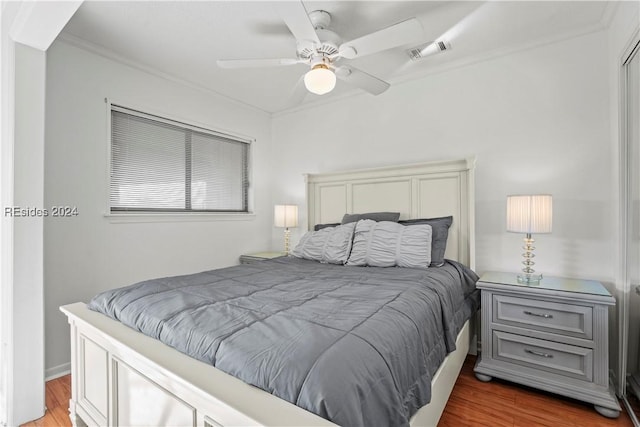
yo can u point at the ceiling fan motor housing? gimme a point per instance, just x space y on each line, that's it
329 40
320 19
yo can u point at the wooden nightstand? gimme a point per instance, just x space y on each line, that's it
552 336
259 256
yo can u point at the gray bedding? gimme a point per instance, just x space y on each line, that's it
355 345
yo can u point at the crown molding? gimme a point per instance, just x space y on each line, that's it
80 43
498 53
601 25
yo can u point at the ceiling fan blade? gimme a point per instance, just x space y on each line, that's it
297 19
256 63
396 35
362 80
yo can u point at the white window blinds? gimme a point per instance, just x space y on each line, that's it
159 165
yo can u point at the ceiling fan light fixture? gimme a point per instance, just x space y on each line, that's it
320 79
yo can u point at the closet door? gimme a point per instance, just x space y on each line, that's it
632 294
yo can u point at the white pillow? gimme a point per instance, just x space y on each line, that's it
389 244
329 245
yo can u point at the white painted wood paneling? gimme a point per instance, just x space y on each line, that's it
332 212
388 195
440 195
94 386
140 402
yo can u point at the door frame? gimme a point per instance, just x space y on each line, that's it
632 48
28 29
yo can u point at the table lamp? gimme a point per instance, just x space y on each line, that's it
285 216
529 214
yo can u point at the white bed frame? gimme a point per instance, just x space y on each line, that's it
121 377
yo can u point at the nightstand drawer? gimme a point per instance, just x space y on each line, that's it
564 319
555 358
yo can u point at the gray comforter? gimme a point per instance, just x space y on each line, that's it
355 345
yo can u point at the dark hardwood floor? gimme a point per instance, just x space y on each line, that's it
472 403
500 403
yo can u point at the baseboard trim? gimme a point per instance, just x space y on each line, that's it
57 371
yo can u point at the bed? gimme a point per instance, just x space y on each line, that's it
123 377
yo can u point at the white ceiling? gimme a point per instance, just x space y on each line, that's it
185 38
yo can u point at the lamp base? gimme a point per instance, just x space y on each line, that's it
529 279
528 275
287 236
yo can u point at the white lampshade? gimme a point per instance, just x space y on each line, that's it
320 80
529 214
285 216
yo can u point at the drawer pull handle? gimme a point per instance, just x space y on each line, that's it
538 353
546 316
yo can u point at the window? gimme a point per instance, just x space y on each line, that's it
160 165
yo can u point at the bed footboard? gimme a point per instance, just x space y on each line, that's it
123 378
120 377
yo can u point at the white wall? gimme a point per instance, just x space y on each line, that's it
538 122
88 253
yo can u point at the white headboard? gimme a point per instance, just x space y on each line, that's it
423 190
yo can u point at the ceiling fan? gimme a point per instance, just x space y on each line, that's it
324 51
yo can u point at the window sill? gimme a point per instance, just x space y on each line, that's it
119 218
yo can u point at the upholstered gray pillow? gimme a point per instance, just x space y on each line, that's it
321 226
389 244
329 245
375 216
440 229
